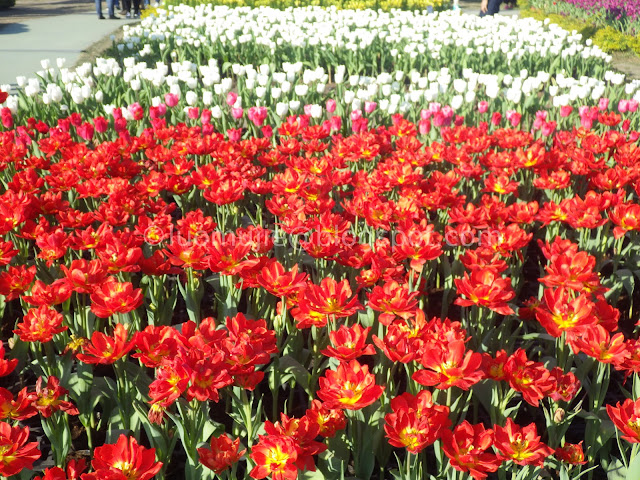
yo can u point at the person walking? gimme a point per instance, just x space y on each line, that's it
110 8
489 7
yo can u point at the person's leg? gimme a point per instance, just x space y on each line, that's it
111 6
493 7
99 8
136 7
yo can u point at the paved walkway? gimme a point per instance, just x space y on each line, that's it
25 41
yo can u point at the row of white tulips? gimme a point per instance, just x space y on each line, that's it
182 51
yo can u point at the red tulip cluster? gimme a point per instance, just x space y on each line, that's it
278 303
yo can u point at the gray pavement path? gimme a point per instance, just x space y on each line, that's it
23 44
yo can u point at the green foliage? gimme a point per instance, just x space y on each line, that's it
586 29
7 3
611 40
608 38
634 44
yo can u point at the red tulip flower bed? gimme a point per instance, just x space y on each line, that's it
179 304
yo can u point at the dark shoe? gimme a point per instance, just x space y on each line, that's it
101 17
113 17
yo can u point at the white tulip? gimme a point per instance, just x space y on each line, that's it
281 109
459 85
294 105
349 96
316 111
76 95
470 97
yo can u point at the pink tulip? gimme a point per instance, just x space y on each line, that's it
136 111
623 106
120 124
85 131
101 124
231 98
76 119
360 125
234 134
369 107
205 117
541 119
566 110
483 107
548 128
424 126
331 105
257 115
336 122
171 99
193 113
267 131
603 104
237 113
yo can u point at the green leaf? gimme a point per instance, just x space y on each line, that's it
626 277
633 472
289 365
307 475
616 470
79 386
366 318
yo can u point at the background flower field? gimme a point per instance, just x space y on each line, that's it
322 243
